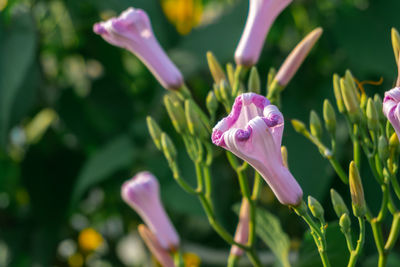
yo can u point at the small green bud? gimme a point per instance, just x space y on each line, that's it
215 68
176 113
284 153
315 125
299 126
217 92
254 83
363 100
195 124
225 91
338 204
372 116
271 76
356 191
168 147
396 44
345 223
337 92
348 76
379 108
301 209
383 148
394 142
350 101
316 209
155 131
231 73
329 117
211 103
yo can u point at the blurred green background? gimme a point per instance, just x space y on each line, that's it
72 122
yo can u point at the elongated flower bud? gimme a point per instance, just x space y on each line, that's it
254 81
315 125
338 93
345 223
253 132
176 113
329 117
154 246
299 126
262 13
372 116
132 30
168 147
296 57
316 208
215 68
383 148
142 193
356 191
155 131
350 100
396 44
195 125
211 103
379 108
242 230
338 204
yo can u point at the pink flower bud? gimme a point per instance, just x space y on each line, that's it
391 108
253 132
132 30
155 248
242 230
262 13
142 193
296 57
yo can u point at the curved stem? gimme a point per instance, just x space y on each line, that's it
360 244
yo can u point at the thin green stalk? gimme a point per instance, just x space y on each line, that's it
394 233
207 180
378 236
251 254
339 170
257 186
384 205
356 147
360 244
232 260
199 177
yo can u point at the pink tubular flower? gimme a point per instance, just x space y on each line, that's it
296 57
391 108
142 193
242 230
132 30
155 248
253 132
262 13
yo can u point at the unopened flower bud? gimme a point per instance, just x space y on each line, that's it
329 117
230 70
242 229
284 153
215 68
254 84
296 57
396 44
356 191
176 113
155 131
211 103
383 148
154 246
372 116
271 76
225 91
315 125
338 93
350 101
132 31
168 147
195 125
394 142
345 223
379 108
316 209
338 204
299 126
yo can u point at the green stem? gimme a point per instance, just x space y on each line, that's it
207 179
360 244
257 186
199 177
378 237
339 170
356 147
251 254
384 205
233 260
394 233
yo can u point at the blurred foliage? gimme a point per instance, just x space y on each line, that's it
73 108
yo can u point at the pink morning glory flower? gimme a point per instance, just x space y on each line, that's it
132 30
262 13
253 132
391 108
142 193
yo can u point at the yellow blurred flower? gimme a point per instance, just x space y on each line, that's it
89 239
191 260
3 4
76 260
183 14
